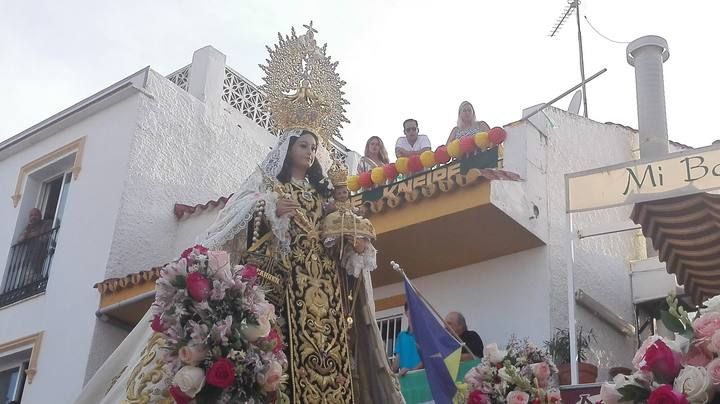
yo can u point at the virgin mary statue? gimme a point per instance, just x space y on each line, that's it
334 350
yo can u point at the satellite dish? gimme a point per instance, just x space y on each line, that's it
574 107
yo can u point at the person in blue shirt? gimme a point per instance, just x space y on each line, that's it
406 350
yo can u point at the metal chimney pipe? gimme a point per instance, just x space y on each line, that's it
647 55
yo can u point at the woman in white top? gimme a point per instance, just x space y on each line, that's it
375 155
467 123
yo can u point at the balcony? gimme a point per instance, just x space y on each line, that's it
28 267
452 215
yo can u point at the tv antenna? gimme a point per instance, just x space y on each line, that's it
570 7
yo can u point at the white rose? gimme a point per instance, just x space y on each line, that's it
609 394
253 332
694 383
494 354
712 304
190 380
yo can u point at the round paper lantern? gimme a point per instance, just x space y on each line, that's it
353 183
366 180
467 144
390 171
414 164
441 155
482 141
377 175
427 158
402 165
497 135
454 149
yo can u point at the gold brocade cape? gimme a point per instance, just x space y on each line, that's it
328 362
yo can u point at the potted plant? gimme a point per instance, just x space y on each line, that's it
559 348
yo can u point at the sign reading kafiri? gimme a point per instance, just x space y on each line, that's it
676 174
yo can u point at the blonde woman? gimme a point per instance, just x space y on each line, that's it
375 155
467 123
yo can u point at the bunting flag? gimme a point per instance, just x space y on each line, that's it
439 350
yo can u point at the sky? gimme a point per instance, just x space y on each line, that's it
400 58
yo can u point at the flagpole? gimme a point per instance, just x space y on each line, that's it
398 269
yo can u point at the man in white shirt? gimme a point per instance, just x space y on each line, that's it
412 143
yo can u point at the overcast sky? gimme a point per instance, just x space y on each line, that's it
400 58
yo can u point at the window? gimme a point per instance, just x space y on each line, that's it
390 327
52 198
12 383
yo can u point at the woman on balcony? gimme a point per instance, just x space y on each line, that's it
467 123
375 155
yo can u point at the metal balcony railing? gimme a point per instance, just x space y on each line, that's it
28 266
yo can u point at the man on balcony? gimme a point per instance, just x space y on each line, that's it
412 143
473 343
36 225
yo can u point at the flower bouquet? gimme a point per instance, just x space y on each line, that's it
521 374
686 370
222 340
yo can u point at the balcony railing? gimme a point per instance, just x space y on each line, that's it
28 267
389 328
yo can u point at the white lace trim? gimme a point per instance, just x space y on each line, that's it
355 264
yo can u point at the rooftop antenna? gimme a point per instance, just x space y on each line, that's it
570 7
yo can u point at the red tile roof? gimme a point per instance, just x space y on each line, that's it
182 210
137 278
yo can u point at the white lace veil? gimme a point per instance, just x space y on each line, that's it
238 211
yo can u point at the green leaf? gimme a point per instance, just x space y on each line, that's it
671 322
634 393
179 282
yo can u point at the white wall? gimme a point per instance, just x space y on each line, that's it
498 298
66 310
601 270
183 151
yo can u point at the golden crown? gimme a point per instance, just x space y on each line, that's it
302 88
338 174
348 224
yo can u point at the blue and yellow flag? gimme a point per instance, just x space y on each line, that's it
439 350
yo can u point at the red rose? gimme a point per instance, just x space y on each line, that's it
157 324
249 272
665 394
221 374
275 340
478 397
661 360
198 286
200 249
178 395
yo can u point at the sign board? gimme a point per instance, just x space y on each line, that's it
677 174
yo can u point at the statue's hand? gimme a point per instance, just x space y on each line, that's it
359 244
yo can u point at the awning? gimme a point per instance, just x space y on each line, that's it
686 232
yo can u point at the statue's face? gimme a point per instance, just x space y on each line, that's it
341 194
302 152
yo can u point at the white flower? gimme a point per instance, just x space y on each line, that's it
494 354
190 380
712 304
193 354
609 394
219 267
504 375
694 383
253 332
271 379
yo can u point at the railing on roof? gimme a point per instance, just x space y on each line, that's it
248 98
28 267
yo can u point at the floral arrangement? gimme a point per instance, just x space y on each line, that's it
521 374
686 370
223 343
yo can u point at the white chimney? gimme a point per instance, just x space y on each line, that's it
647 55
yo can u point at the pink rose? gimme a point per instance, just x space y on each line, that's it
518 397
713 369
665 394
697 356
272 378
198 286
706 325
609 394
249 272
542 373
193 354
554 396
661 360
219 266
714 344
478 397
157 324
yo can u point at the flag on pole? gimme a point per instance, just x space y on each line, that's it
439 350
